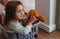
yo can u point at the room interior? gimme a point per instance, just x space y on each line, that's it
51 10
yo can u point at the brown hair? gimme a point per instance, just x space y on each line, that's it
10 10
3 2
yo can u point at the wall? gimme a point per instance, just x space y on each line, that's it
43 6
47 8
28 4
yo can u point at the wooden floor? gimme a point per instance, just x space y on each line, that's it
45 35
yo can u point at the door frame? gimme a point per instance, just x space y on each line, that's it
57 15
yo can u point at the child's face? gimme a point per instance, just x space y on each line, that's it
19 12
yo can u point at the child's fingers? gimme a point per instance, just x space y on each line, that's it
32 19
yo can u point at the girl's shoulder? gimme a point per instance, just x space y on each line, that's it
11 24
14 23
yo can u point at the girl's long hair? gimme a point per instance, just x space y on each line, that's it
10 10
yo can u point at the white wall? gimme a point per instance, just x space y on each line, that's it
44 8
28 4
52 14
52 11
47 8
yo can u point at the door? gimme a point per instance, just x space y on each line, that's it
58 15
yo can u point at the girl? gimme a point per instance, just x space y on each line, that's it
14 14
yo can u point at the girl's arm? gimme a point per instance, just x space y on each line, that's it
20 29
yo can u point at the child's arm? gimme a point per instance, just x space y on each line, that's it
20 29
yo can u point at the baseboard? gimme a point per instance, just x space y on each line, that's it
48 28
52 28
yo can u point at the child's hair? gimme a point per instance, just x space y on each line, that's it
10 10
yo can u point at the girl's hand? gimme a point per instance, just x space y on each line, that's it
31 20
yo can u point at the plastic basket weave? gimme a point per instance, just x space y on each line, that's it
33 34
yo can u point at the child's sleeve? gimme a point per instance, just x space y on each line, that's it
20 29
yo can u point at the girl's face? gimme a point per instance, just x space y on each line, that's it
19 12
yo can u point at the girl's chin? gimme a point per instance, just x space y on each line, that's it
19 19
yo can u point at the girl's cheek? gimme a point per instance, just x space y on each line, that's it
20 16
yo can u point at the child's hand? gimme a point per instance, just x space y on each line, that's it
31 20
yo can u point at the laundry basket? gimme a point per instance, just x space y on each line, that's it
31 35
